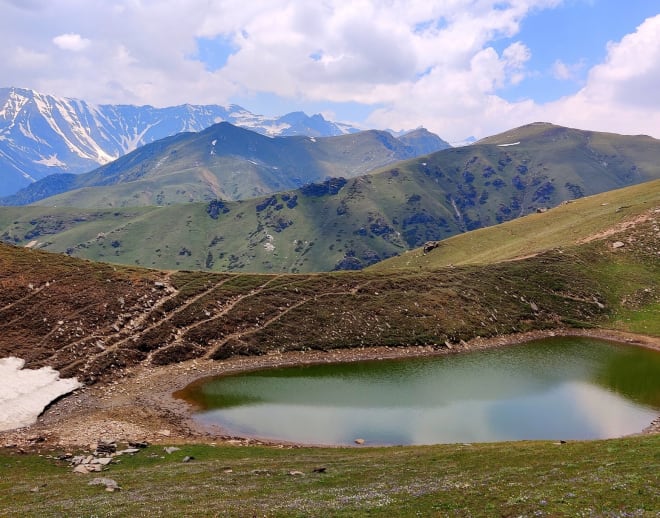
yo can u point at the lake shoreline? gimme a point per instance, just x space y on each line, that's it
141 406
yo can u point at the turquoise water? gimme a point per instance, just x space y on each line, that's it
559 388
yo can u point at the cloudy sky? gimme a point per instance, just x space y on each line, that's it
458 67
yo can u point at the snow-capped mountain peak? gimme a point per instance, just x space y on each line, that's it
43 134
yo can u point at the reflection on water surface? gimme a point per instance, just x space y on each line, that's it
559 388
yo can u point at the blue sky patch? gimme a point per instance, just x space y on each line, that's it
214 52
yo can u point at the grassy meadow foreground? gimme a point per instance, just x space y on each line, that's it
108 325
599 478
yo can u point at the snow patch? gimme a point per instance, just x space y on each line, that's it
506 145
51 161
25 393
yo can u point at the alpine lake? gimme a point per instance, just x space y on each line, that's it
557 388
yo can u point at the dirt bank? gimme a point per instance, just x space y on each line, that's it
141 406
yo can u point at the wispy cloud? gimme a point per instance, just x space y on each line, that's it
567 72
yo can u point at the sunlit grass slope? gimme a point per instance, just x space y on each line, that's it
567 225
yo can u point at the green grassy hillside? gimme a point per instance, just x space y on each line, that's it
340 224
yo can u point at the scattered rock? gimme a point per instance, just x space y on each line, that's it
138 444
105 447
87 468
321 469
128 451
110 485
260 472
534 307
188 458
359 441
171 449
295 473
165 433
618 244
227 469
430 245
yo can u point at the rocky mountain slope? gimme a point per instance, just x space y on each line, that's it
224 162
350 224
44 134
94 320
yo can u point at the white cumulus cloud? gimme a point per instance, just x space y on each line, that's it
70 41
623 93
406 62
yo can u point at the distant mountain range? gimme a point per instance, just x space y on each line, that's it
43 134
346 223
224 162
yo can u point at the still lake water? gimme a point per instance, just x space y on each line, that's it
558 388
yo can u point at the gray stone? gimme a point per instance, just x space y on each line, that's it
110 484
87 468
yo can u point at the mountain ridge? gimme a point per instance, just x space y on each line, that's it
348 223
227 162
42 134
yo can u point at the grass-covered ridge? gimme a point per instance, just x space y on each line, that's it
581 220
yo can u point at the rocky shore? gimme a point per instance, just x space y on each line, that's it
141 406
